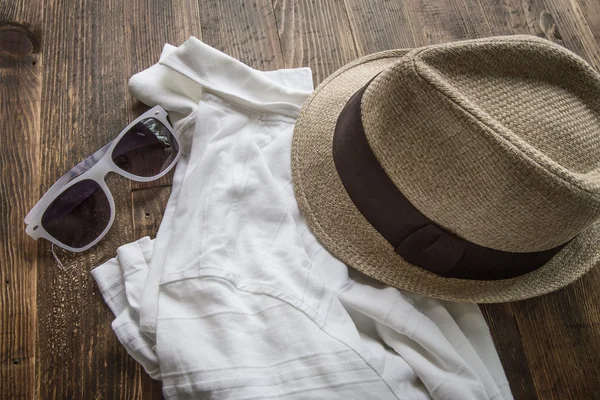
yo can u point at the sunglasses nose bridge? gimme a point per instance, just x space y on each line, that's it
103 167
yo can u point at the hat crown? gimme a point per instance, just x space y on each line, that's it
497 140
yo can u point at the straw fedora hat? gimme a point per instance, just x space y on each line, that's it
465 171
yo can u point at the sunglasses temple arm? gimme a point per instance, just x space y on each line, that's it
77 170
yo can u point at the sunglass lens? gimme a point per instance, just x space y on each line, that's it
147 149
78 215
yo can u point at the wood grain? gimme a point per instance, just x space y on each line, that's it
522 17
150 29
561 341
574 28
63 94
314 34
382 26
83 107
507 336
589 8
149 208
245 30
386 25
20 92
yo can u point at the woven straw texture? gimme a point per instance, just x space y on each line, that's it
495 140
535 171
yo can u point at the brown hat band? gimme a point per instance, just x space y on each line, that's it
414 237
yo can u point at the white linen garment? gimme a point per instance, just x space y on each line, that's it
236 299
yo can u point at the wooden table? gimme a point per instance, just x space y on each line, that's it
64 67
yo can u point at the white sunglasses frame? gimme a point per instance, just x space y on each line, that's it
101 164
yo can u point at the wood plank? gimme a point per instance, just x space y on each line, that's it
549 346
528 17
151 27
83 107
451 20
561 340
149 209
507 338
20 92
246 30
315 34
415 23
144 34
382 26
591 12
386 25
574 29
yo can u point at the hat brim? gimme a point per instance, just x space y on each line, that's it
343 230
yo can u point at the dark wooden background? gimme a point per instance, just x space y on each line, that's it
64 66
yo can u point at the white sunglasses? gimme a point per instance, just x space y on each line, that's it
78 210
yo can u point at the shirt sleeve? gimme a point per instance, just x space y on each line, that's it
121 282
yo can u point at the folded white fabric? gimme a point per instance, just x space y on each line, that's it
235 299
